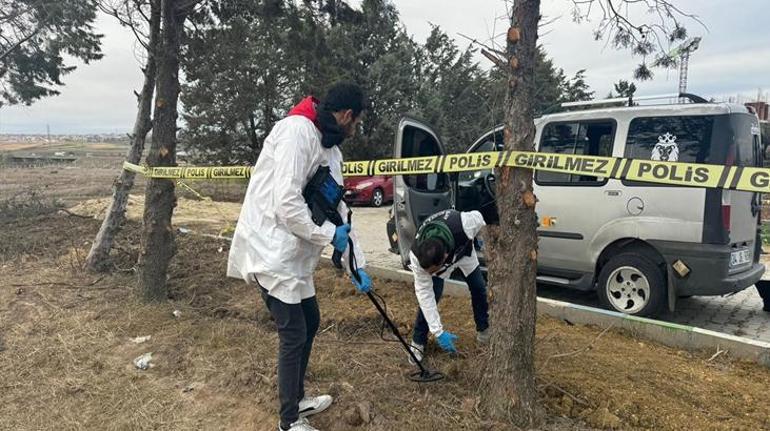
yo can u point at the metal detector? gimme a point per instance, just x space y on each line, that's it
424 374
323 196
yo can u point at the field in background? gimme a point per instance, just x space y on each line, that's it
90 176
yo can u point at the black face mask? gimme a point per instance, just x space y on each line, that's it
331 132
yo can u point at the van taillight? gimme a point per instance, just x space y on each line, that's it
726 217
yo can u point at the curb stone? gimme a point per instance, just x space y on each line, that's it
666 333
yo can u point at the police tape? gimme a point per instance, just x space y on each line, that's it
752 179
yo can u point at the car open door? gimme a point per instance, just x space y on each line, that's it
417 196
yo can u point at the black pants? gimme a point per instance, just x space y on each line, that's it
478 288
297 325
763 287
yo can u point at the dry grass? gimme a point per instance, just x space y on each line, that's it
66 183
65 354
28 203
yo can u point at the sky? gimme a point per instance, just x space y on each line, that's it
733 59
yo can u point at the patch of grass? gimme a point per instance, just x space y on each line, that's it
27 204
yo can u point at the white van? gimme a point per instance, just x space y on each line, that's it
640 245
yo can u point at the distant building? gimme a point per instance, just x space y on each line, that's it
761 108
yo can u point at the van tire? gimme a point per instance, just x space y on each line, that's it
643 279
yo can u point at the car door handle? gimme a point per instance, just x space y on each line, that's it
613 192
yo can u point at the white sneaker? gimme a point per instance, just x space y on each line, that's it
418 350
313 405
484 336
301 425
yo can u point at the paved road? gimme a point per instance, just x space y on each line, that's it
739 314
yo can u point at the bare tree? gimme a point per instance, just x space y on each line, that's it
158 246
137 15
509 392
509 380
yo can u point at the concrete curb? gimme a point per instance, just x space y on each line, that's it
666 333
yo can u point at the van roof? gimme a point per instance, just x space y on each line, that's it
630 112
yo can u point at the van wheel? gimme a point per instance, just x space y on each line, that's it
633 284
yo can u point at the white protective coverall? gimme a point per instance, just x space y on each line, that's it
472 222
275 240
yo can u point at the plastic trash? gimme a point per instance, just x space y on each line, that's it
143 362
140 340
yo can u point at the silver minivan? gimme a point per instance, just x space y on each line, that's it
640 245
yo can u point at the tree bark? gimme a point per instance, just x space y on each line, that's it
509 392
158 246
251 127
98 256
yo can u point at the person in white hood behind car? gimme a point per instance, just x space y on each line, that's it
277 245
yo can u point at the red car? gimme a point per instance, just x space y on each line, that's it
373 191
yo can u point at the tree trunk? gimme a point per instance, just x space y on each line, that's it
509 380
98 256
158 245
251 128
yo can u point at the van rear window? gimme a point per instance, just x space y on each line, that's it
673 139
746 134
686 139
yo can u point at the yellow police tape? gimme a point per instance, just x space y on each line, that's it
750 179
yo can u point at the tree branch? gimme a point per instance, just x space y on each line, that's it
474 41
21 42
499 62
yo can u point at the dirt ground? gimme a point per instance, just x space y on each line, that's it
66 354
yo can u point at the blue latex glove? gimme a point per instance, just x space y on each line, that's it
340 240
447 341
366 283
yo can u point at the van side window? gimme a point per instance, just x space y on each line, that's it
672 139
418 143
594 138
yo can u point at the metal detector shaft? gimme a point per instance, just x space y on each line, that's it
424 374
396 332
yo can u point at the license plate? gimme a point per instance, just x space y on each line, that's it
740 257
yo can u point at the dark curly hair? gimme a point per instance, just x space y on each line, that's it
344 95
